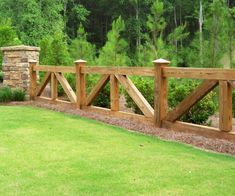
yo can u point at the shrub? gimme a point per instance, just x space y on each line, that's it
146 87
8 95
5 94
1 76
199 113
178 89
103 99
18 95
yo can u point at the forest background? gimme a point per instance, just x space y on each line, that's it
123 32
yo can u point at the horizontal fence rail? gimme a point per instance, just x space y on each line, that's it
199 73
159 115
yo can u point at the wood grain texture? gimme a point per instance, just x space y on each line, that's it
33 80
57 69
200 73
114 93
137 97
80 84
225 104
160 94
191 100
54 87
142 71
209 132
67 88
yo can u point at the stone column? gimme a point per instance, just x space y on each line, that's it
16 65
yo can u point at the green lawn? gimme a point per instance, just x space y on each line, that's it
48 153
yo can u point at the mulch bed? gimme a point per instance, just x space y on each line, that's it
216 145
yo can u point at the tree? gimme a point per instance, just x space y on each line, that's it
80 48
215 25
156 22
8 35
114 52
54 50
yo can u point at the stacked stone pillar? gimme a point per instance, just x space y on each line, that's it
16 65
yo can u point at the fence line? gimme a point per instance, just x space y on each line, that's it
160 115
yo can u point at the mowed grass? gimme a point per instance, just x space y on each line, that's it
48 153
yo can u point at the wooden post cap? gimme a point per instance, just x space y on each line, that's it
161 61
80 61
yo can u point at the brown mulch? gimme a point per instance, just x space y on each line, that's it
216 145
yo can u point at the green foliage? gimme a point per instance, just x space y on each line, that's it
114 53
8 35
18 95
1 76
146 86
177 91
103 99
175 46
54 50
199 114
6 94
33 19
156 22
233 104
80 48
215 27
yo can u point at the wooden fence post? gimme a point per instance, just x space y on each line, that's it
225 105
54 87
80 84
160 92
114 93
33 79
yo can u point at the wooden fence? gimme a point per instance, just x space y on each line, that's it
160 115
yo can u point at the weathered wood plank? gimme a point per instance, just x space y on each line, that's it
54 87
80 84
33 80
225 104
191 100
142 71
114 93
200 73
120 114
160 92
205 131
67 88
43 84
137 97
57 69
96 89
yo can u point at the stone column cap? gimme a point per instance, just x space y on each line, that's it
20 48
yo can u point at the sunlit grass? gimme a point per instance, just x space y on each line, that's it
48 153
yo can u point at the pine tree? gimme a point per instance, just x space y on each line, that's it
114 52
80 48
54 50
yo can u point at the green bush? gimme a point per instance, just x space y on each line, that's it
6 94
1 76
18 95
199 113
103 99
178 89
146 86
